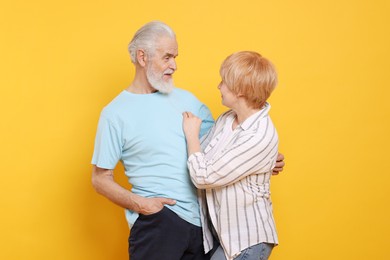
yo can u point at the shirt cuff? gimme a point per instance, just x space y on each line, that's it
193 156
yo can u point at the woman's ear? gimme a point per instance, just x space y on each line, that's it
141 57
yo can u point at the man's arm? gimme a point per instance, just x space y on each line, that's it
104 183
279 164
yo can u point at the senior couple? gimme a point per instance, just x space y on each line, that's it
200 188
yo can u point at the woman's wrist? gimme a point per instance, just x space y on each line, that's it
193 144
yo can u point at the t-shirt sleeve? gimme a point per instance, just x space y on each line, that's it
207 120
108 145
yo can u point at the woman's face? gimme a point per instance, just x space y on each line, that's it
228 97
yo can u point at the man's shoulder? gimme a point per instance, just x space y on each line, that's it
186 96
183 92
115 106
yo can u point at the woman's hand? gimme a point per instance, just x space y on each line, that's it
191 125
191 128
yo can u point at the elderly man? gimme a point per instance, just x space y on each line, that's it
142 128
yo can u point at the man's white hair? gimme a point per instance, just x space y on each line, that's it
146 37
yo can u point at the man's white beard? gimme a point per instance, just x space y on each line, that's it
157 82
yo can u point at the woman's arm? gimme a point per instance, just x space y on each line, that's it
191 127
252 153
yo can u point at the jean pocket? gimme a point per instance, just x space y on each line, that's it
142 216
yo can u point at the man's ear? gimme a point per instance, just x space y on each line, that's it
141 57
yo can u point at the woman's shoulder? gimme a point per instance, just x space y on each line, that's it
225 115
228 113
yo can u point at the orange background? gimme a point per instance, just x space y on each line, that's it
61 62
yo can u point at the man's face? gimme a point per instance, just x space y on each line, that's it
162 65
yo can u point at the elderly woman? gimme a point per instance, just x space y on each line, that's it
233 163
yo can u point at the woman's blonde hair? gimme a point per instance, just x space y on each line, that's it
250 75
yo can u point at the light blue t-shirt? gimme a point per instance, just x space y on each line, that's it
144 132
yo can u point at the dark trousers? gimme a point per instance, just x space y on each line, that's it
165 236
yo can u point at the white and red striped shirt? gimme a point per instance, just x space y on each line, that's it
233 174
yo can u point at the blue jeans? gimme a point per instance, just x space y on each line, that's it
257 252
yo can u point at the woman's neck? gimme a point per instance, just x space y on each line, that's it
242 113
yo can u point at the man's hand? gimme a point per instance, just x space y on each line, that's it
148 206
279 164
104 183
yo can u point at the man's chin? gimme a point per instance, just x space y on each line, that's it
164 88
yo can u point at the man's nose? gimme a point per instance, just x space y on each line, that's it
173 65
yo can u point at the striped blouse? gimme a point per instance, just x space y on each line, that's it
233 174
